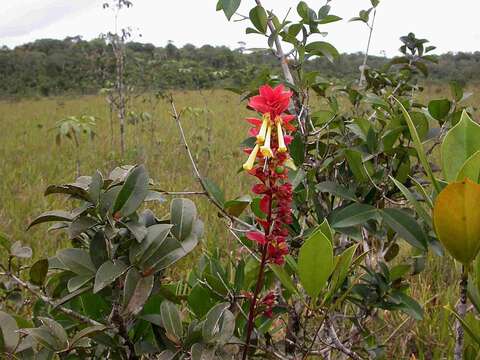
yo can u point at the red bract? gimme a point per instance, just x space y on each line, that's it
274 101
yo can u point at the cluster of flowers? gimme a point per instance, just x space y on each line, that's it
266 161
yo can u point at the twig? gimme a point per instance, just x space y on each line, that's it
51 302
337 343
197 174
364 65
461 309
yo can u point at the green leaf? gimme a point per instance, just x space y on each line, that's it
337 190
201 300
322 48
439 109
461 142
38 272
342 267
284 278
142 288
237 206
156 235
473 334
297 149
355 163
219 324
48 216
413 201
108 273
303 10
214 190
315 263
171 320
410 306
329 19
98 249
326 230
57 331
95 187
419 146
77 260
183 213
456 90
132 193
470 169
258 17
77 282
86 333
406 227
352 215
8 333
229 7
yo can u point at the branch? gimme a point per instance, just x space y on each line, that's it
337 344
364 65
46 299
197 174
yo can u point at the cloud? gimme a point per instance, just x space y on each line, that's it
27 16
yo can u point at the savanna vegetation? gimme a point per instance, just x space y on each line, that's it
143 218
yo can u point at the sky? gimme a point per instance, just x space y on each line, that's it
451 26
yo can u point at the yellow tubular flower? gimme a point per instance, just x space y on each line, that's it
263 128
251 158
265 149
281 141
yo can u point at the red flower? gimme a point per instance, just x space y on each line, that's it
273 101
257 237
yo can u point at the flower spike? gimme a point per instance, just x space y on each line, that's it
251 158
266 149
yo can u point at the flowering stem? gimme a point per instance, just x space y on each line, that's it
259 285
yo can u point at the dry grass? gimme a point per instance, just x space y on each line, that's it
30 160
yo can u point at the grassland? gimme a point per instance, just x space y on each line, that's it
30 160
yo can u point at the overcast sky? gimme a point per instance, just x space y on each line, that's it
451 26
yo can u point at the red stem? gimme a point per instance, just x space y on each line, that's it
259 285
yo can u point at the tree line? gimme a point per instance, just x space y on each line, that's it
73 65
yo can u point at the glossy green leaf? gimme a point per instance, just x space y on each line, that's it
439 109
49 216
419 146
132 193
229 7
258 17
322 48
77 260
108 273
470 169
315 263
461 142
284 277
352 215
183 213
171 320
413 201
8 332
406 227
38 272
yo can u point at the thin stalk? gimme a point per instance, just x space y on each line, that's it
461 310
259 285
365 58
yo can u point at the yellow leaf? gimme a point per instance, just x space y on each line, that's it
456 216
